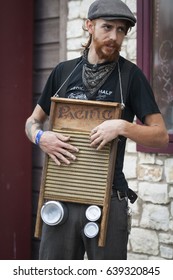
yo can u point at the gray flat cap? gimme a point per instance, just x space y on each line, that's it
110 10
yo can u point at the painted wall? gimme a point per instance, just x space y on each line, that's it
15 151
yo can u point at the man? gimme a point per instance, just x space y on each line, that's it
99 76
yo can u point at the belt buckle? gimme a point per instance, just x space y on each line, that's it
119 196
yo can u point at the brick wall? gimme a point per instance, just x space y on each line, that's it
150 175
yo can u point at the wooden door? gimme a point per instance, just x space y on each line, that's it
50 17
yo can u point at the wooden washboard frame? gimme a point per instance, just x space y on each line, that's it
88 180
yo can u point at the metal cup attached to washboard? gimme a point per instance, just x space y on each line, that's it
88 180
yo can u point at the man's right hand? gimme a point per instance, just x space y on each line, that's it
57 147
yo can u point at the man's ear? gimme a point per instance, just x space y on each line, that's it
90 26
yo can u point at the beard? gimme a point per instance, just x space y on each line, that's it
107 50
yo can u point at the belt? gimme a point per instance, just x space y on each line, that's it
120 195
131 195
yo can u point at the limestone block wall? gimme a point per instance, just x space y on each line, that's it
150 175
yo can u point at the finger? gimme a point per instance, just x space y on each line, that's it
70 147
65 145
94 137
95 133
62 137
101 145
96 141
67 154
54 158
61 158
94 130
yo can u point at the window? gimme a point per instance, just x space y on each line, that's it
162 72
155 57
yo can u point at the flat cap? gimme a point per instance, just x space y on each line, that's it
110 10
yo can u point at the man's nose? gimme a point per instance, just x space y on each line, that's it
113 35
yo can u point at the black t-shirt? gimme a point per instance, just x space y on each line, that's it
138 98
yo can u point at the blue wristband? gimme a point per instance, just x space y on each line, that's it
38 136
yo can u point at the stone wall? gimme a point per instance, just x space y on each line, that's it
149 175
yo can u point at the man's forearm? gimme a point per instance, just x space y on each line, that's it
152 136
32 127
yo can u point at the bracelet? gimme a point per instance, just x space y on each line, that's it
38 136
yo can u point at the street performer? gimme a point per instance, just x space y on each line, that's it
97 77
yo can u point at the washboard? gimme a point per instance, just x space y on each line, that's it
88 180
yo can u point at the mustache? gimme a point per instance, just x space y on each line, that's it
113 44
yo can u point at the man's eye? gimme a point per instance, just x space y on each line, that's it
107 27
121 29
